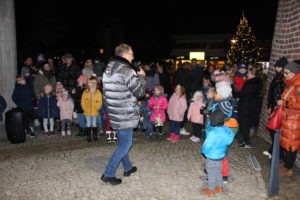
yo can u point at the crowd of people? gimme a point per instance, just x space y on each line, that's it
125 95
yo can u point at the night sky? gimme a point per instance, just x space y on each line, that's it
58 26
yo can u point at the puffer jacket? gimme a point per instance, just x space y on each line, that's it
217 141
275 90
290 128
121 89
91 102
158 112
177 107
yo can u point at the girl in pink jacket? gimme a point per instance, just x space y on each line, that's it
66 107
158 104
176 110
195 116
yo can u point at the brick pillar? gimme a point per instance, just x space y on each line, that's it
286 42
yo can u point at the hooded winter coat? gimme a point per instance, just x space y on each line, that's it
42 79
158 112
177 107
121 89
217 141
290 128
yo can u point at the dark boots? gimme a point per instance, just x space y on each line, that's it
81 132
95 131
88 133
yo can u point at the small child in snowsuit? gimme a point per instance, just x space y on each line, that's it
158 104
194 115
66 107
48 110
218 138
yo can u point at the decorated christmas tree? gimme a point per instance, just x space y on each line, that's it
243 47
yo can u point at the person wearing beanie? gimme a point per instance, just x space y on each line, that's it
240 76
217 140
248 106
290 101
223 103
91 103
195 116
158 104
146 113
276 88
66 107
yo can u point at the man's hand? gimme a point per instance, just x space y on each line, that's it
141 72
279 102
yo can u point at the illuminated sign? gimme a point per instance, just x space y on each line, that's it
197 55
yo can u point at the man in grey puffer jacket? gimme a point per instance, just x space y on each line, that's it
122 86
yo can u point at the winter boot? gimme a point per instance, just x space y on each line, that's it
219 189
114 136
208 192
80 132
175 138
88 132
109 139
171 136
95 131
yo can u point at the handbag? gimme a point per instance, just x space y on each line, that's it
275 119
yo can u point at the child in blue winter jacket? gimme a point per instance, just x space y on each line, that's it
218 138
48 110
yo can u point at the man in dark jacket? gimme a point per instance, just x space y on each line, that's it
122 86
197 74
23 96
69 73
248 105
275 90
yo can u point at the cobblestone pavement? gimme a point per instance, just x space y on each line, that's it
70 168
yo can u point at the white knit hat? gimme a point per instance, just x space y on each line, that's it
224 89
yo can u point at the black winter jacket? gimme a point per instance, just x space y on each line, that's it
275 90
250 97
121 89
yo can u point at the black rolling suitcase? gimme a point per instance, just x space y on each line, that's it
14 126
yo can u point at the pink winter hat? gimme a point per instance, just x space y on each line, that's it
82 79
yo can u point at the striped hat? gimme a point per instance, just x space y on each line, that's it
225 107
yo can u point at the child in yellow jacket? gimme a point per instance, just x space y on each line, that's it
91 103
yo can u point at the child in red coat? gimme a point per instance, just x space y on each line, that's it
240 76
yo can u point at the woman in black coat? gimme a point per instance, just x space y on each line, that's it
276 88
248 105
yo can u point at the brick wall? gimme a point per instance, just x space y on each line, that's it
286 42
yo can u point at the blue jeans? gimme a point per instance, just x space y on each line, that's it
91 121
175 127
148 126
120 154
81 120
